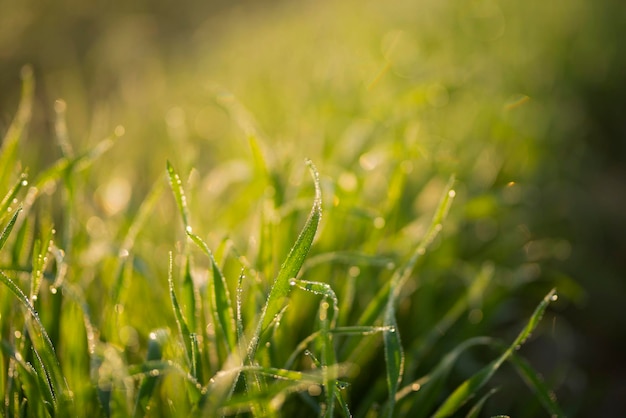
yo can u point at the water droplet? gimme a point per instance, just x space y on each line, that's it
554 297
292 282
123 253
342 385
268 344
53 290
415 387
392 329
154 372
18 357
17 334
33 298
188 229
451 193
153 336
24 182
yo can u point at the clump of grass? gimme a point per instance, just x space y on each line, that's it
278 327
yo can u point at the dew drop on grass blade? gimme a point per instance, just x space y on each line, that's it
281 287
12 193
44 346
470 387
178 314
4 235
220 297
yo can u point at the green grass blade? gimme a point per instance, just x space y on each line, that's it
12 193
178 313
29 382
179 195
137 224
43 344
4 235
326 318
394 357
425 391
289 269
156 342
377 307
468 389
476 408
220 297
537 385
43 379
18 125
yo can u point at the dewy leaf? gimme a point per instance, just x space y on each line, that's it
178 314
12 193
220 297
45 349
4 235
179 194
290 267
468 389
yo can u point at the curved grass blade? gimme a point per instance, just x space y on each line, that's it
468 389
327 317
537 385
4 235
350 330
29 382
220 297
289 269
425 390
44 346
476 408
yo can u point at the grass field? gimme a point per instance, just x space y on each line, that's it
333 209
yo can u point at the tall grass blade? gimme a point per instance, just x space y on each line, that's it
4 235
179 195
328 314
9 198
470 387
18 125
425 391
155 352
289 269
178 313
537 385
44 346
220 297
377 307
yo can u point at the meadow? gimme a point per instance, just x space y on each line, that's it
323 209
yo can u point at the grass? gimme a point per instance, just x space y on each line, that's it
368 310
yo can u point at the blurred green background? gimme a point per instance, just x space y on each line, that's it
524 101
